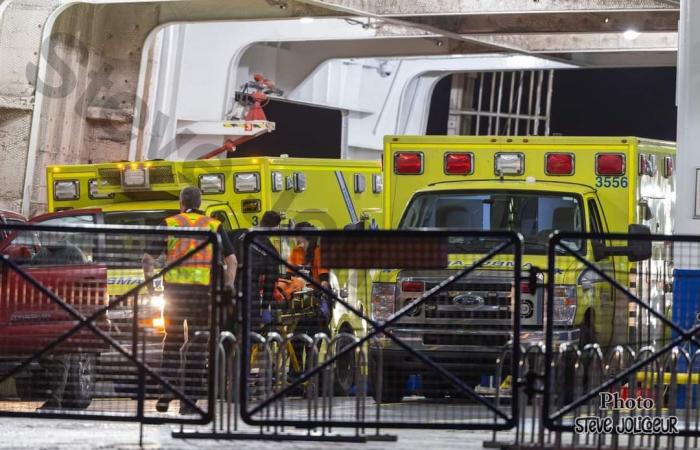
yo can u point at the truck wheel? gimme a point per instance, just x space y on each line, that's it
81 381
345 367
32 387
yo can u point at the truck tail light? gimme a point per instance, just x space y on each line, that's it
412 286
383 300
610 164
459 163
408 163
559 164
647 164
524 287
668 166
509 164
565 300
66 190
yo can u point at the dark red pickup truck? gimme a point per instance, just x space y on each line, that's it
30 320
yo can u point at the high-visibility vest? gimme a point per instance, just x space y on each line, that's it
196 269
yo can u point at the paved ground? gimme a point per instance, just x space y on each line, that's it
74 434
79 435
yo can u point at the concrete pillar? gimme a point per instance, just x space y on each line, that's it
686 258
688 101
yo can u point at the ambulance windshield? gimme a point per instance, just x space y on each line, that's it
533 214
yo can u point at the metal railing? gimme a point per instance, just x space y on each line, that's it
411 335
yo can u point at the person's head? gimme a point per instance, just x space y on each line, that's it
307 242
190 198
270 219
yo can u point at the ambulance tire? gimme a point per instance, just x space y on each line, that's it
587 329
567 390
346 366
587 336
80 388
32 387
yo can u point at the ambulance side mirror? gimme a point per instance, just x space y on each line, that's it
635 250
639 250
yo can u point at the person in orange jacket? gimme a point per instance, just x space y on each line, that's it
307 254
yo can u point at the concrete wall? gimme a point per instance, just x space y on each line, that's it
90 87
21 27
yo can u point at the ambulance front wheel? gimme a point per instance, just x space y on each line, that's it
346 365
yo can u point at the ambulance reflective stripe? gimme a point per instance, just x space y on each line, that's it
196 269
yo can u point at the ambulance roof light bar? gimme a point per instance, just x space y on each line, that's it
135 176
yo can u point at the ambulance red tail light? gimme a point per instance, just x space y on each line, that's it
559 164
412 286
408 163
524 287
610 164
459 163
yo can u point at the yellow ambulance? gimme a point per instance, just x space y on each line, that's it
533 186
236 191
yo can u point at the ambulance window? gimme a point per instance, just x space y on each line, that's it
595 222
595 217
223 218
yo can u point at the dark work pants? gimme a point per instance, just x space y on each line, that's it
190 304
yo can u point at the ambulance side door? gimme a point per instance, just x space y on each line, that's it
225 215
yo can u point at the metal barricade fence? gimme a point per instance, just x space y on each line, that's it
380 329
267 375
630 379
666 394
81 332
366 330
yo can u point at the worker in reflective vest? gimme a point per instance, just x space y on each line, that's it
187 291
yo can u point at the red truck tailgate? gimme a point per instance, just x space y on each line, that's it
29 319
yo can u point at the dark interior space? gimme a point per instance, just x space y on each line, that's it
615 102
597 102
301 131
439 107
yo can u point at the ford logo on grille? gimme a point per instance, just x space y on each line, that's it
468 300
